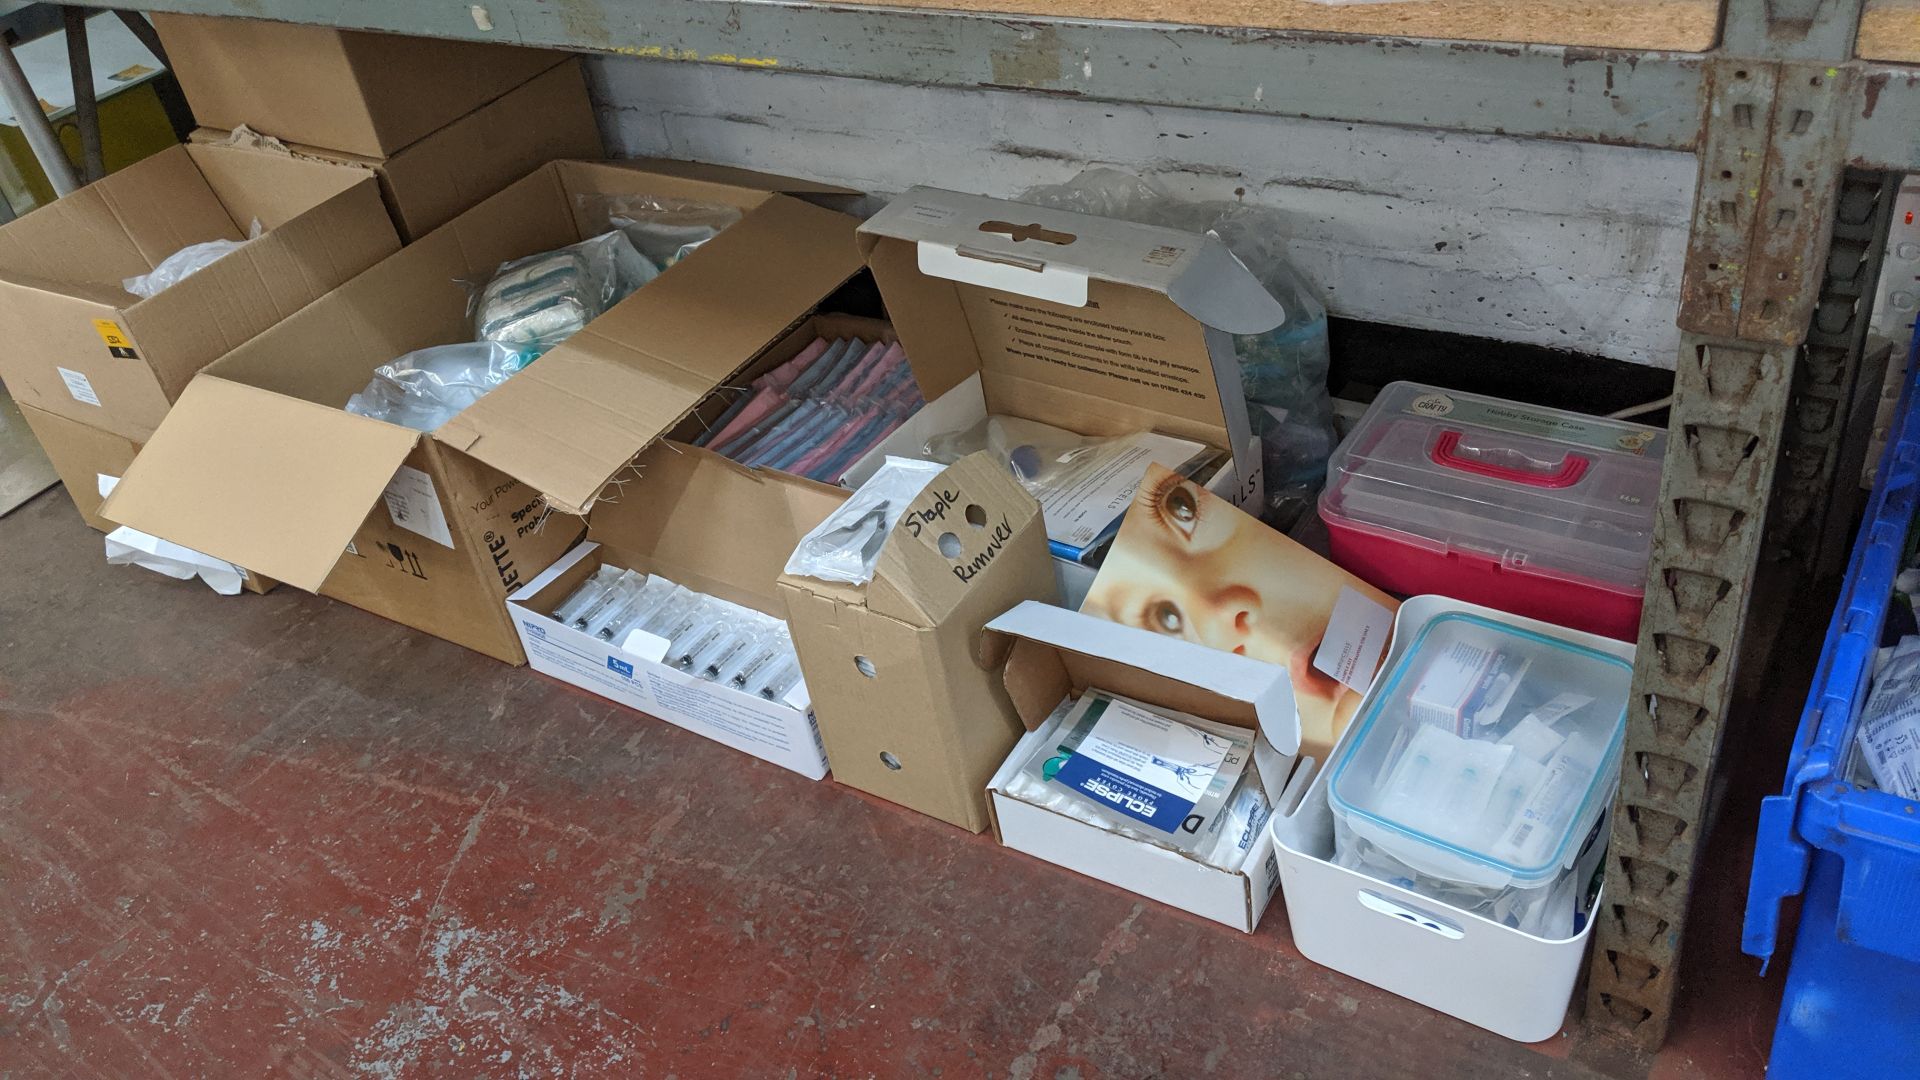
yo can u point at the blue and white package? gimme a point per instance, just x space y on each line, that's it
1132 769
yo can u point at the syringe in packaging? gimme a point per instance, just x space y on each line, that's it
584 597
628 583
781 680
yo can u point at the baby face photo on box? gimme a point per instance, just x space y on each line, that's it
1191 565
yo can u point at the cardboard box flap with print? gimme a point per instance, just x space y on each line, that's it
948 538
905 681
1099 326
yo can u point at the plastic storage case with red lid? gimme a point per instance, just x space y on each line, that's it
1544 513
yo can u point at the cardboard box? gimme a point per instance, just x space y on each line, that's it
1099 326
85 457
548 118
347 90
81 454
904 679
260 465
682 518
83 348
1055 651
1463 964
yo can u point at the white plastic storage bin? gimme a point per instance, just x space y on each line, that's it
1480 769
1512 983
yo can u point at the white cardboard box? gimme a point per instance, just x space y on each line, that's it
782 732
1056 650
1511 983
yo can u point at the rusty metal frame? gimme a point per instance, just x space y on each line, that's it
1776 294
1804 526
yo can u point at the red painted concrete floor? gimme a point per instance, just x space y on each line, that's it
276 836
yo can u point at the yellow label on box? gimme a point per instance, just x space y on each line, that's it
128 74
111 333
117 341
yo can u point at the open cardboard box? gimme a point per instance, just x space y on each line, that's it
428 182
90 460
81 453
82 347
1463 964
260 465
903 677
1099 326
348 90
682 517
1055 652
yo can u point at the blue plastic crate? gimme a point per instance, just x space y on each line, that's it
1853 987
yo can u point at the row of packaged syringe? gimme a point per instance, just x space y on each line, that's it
706 637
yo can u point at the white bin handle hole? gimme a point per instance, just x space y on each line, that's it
1373 901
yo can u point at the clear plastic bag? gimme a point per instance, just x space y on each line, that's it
185 263
535 303
1038 454
427 387
845 546
1283 371
660 227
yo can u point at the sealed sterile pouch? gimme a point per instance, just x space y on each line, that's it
185 263
1083 484
845 546
535 303
662 228
1889 736
427 387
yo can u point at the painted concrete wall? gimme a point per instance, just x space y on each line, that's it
1558 244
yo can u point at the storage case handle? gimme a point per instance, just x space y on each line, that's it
1373 901
1448 453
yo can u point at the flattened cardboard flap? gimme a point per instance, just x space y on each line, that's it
265 481
950 535
1239 687
1035 251
566 425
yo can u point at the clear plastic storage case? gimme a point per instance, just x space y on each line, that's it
1537 511
1482 766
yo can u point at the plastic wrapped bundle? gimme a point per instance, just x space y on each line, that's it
427 387
535 303
660 227
820 412
1283 371
846 545
183 264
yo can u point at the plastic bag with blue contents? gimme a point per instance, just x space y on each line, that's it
427 387
535 303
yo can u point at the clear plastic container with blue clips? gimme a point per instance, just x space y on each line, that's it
1482 769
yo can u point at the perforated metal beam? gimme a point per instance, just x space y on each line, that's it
1775 131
